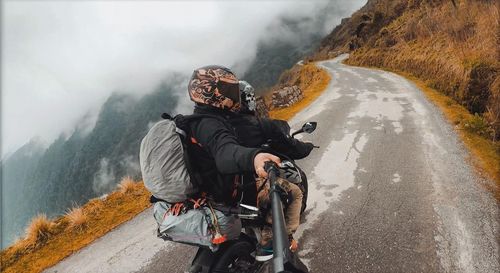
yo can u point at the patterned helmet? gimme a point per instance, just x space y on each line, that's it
216 86
247 96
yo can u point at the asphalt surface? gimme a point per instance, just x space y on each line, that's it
391 190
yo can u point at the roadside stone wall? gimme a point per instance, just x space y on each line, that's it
287 96
262 111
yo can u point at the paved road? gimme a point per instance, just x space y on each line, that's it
391 190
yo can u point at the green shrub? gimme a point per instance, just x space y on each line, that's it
478 125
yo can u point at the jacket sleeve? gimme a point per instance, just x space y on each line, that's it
279 132
221 143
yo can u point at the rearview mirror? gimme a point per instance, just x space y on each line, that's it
308 127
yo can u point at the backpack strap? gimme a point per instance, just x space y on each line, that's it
166 116
183 121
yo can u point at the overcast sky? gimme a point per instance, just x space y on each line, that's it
62 59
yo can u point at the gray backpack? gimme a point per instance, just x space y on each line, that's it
163 163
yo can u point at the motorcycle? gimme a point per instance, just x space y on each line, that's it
238 256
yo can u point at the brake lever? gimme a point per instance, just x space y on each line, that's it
253 212
248 207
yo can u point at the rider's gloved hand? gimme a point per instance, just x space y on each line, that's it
259 161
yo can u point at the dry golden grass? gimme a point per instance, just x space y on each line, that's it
55 240
127 184
454 49
77 219
94 206
39 230
102 216
312 80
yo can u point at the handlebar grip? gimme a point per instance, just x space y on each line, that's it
270 166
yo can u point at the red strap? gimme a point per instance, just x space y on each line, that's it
198 202
194 141
236 182
176 208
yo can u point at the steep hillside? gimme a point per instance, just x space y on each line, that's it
81 166
453 45
450 48
298 37
274 57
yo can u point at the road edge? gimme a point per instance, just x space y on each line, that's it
484 154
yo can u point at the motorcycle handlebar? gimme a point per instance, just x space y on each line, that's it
271 169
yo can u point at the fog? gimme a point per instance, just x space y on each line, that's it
62 59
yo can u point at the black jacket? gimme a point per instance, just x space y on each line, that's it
253 132
217 156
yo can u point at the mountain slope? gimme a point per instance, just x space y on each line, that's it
14 169
82 166
453 45
450 47
274 57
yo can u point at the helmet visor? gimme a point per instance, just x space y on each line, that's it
229 90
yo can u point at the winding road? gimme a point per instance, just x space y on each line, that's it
391 190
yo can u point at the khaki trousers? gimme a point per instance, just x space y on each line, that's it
292 213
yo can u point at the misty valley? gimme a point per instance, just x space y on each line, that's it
90 162
82 166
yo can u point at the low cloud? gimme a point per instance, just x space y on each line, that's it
105 178
131 165
62 59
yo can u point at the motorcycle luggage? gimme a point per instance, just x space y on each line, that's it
195 225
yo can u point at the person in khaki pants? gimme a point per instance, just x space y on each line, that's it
292 213
253 131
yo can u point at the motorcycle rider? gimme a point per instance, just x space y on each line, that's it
220 159
254 132
216 160
215 91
